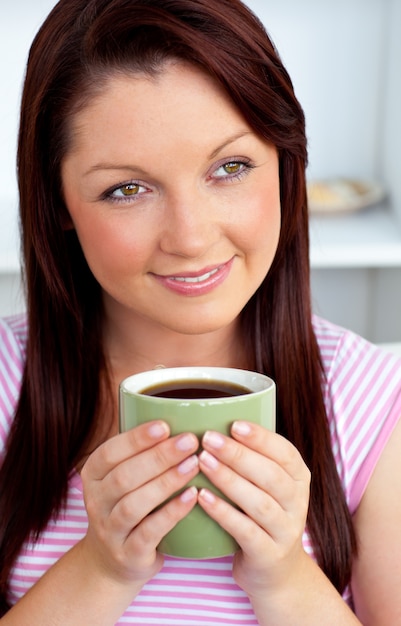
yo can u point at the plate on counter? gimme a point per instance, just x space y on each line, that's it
341 195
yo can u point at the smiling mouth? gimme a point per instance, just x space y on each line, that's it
196 279
197 283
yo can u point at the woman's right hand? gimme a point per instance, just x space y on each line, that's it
125 479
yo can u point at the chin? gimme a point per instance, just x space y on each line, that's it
202 325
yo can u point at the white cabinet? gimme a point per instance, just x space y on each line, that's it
344 58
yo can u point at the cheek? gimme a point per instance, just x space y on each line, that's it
264 222
112 246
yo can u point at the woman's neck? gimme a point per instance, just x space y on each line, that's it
134 347
131 348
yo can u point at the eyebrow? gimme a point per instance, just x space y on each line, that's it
229 141
111 166
116 167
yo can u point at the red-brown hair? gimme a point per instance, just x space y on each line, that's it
81 44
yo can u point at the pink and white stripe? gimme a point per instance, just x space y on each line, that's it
363 400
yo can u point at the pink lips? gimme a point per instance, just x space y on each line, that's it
196 283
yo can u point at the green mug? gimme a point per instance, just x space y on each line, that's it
197 399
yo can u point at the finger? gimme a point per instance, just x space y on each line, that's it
140 469
134 506
263 471
261 507
156 525
257 469
122 446
247 534
271 445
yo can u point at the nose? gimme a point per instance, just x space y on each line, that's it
190 226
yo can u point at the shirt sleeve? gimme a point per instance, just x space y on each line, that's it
12 356
363 401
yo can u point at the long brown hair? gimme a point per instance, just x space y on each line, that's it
81 44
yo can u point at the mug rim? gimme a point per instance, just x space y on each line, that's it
254 381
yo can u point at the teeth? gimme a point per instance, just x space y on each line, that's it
195 279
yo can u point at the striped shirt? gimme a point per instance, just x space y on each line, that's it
363 402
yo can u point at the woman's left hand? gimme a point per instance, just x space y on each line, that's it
267 479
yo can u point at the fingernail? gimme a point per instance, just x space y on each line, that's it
213 439
207 495
241 428
186 442
188 465
210 461
189 494
157 430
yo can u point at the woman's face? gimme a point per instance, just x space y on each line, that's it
175 200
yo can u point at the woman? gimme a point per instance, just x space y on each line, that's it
161 170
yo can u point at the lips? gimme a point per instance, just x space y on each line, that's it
198 282
196 279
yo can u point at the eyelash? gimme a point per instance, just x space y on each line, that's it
246 164
108 194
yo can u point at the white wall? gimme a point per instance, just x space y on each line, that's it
11 294
19 21
335 52
391 164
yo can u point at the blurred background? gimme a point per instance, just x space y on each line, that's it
344 58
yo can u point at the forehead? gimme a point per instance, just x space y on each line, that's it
179 100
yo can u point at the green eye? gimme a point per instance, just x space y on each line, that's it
232 171
126 192
130 190
233 168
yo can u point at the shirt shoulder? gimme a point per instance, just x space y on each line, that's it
13 333
362 393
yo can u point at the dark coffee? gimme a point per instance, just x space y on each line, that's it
193 389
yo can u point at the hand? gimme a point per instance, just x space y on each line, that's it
265 476
125 480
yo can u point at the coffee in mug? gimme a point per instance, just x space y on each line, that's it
192 389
